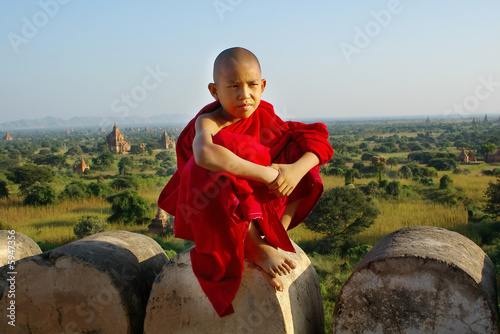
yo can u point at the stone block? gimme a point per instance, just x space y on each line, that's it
420 280
99 284
177 303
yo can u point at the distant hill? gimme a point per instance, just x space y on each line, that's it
94 122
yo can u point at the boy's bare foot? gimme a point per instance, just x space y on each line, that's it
273 281
269 259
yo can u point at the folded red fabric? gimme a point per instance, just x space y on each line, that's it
215 209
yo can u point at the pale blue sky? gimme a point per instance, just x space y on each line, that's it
96 57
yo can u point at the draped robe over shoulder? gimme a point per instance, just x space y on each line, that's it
214 209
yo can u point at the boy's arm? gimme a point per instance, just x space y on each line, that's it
291 174
218 158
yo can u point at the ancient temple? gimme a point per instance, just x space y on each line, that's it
81 167
466 157
491 158
378 159
8 136
102 129
160 222
116 141
166 142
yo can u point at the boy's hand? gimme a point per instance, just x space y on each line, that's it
270 176
288 178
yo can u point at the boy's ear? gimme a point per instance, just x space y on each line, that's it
212 88
263 84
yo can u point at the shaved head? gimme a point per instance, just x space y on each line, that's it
231 57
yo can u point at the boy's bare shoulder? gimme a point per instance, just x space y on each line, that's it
207 123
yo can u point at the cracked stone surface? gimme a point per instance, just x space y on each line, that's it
420 280
99 284
21 246
178 305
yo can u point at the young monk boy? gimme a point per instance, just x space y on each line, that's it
244 178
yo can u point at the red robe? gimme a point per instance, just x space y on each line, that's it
215 209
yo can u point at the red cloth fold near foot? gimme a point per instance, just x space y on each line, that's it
215 209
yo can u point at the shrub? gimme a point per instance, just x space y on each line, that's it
130 207
427 181
125 182
443 163
75 190
445 182
41 194
88 225
493 198
4 189
99 189
341 213
367 156
393 188
28 175
406 172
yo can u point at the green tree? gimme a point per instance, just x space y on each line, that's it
125 165
136 149
124 182
99 189
165 155
443 163
51 160
341 213
367 156
493 198
88 225
28 175
380 166
487 148
74 150
406 172
393 188
445 182
129 207
349 176
76 190
392 161
4 189
103 161
41 194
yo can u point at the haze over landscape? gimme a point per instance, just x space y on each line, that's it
123 59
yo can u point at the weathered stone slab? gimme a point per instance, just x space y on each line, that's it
420 280
99 284
22 245
178 305
19 246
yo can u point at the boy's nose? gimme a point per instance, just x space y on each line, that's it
244 92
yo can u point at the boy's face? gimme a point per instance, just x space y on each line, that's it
238 88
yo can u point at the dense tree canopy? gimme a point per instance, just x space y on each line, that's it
493 198
29 174
129 207
41 194
341 213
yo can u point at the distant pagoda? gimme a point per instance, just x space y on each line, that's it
116 141
166 142
81 167
8 136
